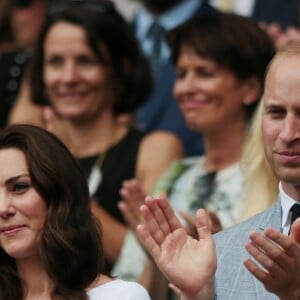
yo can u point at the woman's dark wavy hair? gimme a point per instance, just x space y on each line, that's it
70 244
232 41
103 25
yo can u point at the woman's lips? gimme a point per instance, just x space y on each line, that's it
11 230
191 104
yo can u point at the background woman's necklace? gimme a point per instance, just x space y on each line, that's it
95 177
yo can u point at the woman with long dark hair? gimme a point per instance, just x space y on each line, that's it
50 242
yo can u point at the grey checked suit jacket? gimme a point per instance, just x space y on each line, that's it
233 280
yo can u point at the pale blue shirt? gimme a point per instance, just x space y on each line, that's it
172 18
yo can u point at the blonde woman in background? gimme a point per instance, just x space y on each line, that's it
218 97
260 183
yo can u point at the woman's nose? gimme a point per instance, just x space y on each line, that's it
70 73
7 208
186 85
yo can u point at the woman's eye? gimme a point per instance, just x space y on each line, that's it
180 74
53 60
87 61
20 187
205 73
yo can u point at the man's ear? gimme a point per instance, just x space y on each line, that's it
252 90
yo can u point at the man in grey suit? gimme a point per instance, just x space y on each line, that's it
259 258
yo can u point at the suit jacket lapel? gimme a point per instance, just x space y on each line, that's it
272 217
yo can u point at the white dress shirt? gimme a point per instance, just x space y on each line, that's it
286 204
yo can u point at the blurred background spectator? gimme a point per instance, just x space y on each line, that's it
285 13
219 83
280 18
22 21
127 7
151 23
88 67
6 35
260 186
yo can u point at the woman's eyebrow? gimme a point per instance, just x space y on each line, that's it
15 178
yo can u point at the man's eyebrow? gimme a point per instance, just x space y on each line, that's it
273 103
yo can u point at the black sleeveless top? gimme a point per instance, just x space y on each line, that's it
12 68
119 164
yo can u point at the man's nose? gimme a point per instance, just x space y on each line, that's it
290 129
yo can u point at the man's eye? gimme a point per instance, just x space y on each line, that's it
277 113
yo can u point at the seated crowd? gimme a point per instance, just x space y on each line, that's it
149 149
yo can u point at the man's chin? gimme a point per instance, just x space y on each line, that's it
291 179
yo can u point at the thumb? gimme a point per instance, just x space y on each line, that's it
295 230
202 224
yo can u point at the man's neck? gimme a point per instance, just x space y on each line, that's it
291 190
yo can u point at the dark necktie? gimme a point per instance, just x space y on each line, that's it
157 34
295 213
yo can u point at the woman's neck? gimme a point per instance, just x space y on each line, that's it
38 284
90 138
100 280
224 147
